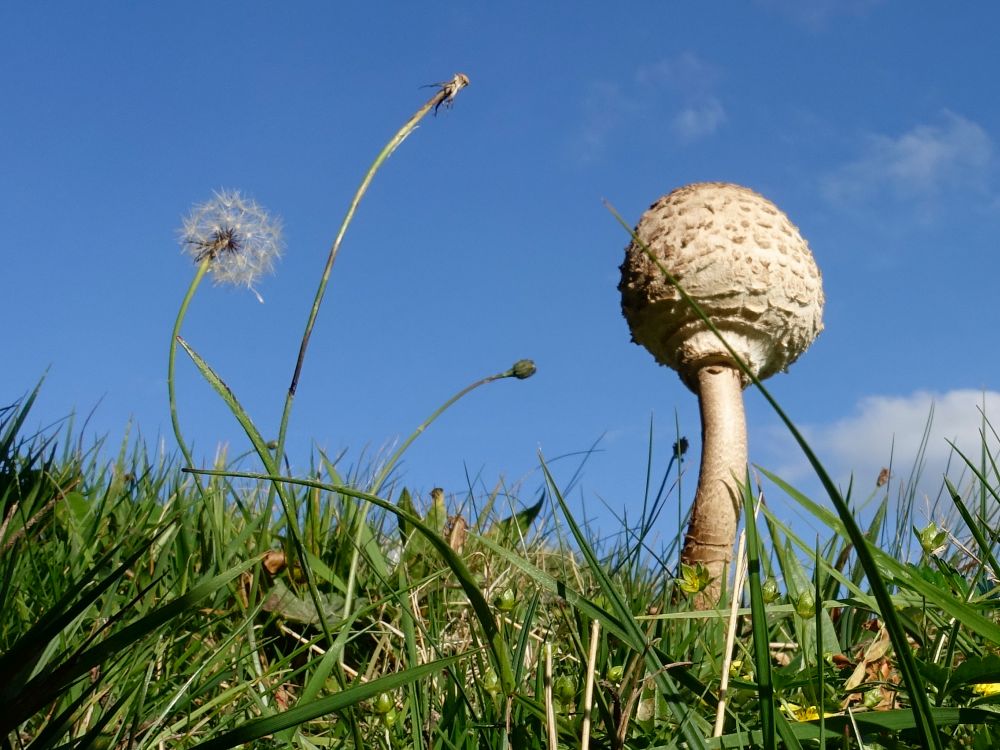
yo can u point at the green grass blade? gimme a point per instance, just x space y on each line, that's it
967 614
522 643
257 728
260 446
686 718
39 690
975 528
467 580
873 725
17 663
818 614
761 632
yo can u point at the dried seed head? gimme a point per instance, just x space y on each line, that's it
235 235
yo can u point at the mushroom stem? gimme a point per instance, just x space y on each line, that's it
716 510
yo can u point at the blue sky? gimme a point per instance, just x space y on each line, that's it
484 239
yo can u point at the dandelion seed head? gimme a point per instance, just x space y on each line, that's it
236 235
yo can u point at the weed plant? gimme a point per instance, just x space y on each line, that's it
150 604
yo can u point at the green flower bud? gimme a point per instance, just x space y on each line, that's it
390 717
505 600
523 368
491 683
565 688
615 673
805 605
932 538
770 590
872 697
383 704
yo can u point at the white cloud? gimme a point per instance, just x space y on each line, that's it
686 73
816 13
956 154
682 86
884 428
700 120
605 109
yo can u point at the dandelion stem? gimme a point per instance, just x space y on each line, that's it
171 364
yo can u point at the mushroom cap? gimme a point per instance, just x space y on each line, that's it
740 258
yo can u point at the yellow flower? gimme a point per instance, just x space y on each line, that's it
986 688
694 578
803 713
740 671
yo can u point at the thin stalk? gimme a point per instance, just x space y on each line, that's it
470 585
588 686
727 654
550 709
171 365
394 458
290 512
445 95
521 369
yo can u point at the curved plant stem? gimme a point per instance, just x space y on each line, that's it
467 580
383 475
171 366
287 504
394 458
445 95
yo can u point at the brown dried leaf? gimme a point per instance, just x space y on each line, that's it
274 561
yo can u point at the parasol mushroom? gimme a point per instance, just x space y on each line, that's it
746 265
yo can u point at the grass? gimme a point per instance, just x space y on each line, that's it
197 628
146 603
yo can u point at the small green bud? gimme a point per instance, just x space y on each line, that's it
805 605
389 717
770 590
872 697
491 683
505 600
615 673
932 538
600 600
383 704
523 368
565 688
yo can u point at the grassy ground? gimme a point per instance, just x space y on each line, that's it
146 606
141 612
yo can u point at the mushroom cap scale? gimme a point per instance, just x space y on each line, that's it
742 261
